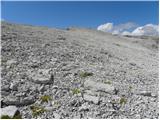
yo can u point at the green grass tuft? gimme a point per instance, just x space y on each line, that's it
130 87
5 117
17 116
85 74
76 91
108 82
36 110
45 98
123 100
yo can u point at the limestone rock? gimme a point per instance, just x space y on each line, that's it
56 116
9 110
14 86
84 107
97 86
19 102
90 98
41 76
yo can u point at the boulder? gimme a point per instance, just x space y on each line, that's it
19 102
9 111
41 76
97 86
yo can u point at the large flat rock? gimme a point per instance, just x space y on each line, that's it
41 76
98 86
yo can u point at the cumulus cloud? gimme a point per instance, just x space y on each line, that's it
116 32
130 28
106 27
116 29
125 26
126 33
149 29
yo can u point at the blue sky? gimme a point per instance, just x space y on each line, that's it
81 14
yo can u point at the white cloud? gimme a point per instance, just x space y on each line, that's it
126 33
149 29
115 32
130 28
105 27
125 26
116 29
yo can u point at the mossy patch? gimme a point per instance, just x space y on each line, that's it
76 91
85 74
45 98
108 82
130 87
16 116
5 117
123 100
117 44
37 110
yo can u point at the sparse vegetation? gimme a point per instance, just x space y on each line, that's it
56 104
16 116
36 110
117 44
85 74
108 82
76 91
5 117
123 100
45 98
130 88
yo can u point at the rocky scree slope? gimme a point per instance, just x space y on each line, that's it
77 73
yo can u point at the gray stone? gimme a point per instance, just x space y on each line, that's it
27 101
9 110
55 87
41 76
91 92
154 95
22 94
56 116
97 86
14 86
11 100
84 107
12 61
4 93
91 98
50 108
42 88
5 88
145 93
19 102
